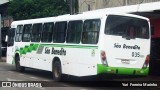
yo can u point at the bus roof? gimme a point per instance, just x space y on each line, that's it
69 17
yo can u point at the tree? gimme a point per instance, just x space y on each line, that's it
76 6
30 9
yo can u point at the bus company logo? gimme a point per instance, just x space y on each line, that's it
62 51
6 84
125 46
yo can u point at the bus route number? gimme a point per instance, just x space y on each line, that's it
136 54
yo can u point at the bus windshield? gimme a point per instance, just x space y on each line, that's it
127 27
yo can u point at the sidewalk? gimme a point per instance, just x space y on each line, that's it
3 59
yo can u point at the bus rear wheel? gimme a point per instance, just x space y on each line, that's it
19 68
57 71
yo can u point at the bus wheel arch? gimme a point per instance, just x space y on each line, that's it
57 69
19 68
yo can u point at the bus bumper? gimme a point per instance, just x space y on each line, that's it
101 69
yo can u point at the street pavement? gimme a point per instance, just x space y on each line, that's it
8 73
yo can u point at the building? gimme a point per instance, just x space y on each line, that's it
6 19
89 5
5 24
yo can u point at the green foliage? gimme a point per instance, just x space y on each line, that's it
30 9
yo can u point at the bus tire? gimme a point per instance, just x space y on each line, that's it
57 71
19 68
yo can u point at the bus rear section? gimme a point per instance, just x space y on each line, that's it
125 46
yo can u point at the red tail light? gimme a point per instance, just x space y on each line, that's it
146 63
147 59
103 55
104 58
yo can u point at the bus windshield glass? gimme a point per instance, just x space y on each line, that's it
127 27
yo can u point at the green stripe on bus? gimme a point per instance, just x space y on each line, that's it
28 49
33 47
122 71
70 46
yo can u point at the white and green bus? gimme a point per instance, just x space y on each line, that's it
82 44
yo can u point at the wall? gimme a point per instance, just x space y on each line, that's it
100 4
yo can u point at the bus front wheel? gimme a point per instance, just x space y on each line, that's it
19 68
57 71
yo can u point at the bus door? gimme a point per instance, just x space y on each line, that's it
10 44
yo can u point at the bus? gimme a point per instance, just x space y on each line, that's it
81 45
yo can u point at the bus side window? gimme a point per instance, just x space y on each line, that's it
36 32
19 32
60 32
74 31
27 33
47 32
91 30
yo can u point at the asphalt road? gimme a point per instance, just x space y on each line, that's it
8 73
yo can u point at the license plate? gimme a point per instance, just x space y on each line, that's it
125 61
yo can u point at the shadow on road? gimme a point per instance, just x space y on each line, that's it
72 81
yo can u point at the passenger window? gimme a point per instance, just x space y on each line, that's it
47 32
36 32
74 32
91 30
19 32
60 32
27 33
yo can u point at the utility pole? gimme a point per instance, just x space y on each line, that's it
72 2
125 2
